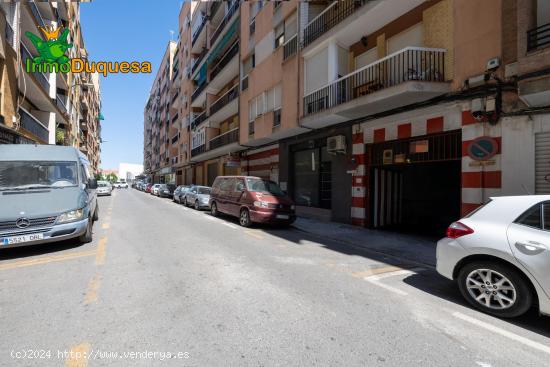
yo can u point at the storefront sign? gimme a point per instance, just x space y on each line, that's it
233 161
483 148
387 156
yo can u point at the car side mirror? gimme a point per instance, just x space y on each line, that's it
92 183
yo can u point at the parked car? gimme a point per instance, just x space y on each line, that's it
166 190
500 255
47 195
155 189
179 193
148 188
104 188
198 197
252 200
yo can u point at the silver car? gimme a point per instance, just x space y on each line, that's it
198 197
500 255
104 188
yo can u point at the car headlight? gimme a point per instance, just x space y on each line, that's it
71 216
261 204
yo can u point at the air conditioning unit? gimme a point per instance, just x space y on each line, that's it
336 144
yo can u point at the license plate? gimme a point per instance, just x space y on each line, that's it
20 239
282 216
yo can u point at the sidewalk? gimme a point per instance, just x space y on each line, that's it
411 247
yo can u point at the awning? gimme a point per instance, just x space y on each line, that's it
224 41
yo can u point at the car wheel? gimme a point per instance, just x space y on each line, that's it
96 213
495 289
214 209
87 236
185 202
244 218
197 207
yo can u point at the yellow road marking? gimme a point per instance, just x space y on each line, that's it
91 293
375 271
105 225
100 255
46 259
250 233
78 355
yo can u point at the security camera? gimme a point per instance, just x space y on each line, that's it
478 115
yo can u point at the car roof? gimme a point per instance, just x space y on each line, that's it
238 177
505 209
28 152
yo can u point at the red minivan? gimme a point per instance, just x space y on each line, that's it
252 200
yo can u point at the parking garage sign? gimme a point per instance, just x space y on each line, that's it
483 148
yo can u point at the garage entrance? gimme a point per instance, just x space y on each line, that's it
415 183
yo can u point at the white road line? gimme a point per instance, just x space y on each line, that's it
386 287
507 334
230 225
393 273
210 218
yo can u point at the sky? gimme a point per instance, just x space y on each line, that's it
126 30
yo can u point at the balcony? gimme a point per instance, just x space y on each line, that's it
225 69
198 34
199 119
226 19
61 103
175 102
32 125
198 150
225 106
538 37
231 136
412 75
331 16
198 92
198 60
40 77
290 47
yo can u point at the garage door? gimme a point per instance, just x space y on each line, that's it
542 163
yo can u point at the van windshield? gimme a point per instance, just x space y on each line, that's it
23 175
264 186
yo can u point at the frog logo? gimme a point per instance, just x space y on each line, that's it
52 50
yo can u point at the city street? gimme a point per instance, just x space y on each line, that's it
160 278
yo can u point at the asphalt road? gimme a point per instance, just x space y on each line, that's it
162 285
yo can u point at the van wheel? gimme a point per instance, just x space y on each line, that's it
214 209
96 213
495 289
87 236
244 218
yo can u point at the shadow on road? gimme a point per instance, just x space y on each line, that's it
431 283
40 249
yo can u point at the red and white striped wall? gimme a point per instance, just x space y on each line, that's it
263 162
478 183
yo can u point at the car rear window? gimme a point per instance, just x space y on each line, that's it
204 190
531 217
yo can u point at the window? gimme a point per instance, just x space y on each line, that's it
531 218
291 26
279 35
239 186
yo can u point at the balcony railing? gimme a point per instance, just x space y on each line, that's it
538 37
198 91
60 104
230 12
9 34
175 96
331 16
198 60
36 13
234 50
232 136
411 63
199 119
25 54
32 125
290 47
224 100
198 150
195 35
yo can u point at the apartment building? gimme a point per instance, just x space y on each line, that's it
381 113
158 124
45 108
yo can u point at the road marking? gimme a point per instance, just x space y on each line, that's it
78 355
91 293
375 279
100 254
386 287
209 217
250 233
105 225
507 334
375 271
45 260
229 225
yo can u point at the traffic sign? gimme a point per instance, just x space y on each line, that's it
483 148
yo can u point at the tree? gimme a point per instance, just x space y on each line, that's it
111 177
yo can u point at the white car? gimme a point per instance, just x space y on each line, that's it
155 189
500 255
104 188
120 185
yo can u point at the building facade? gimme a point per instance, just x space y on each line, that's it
55 108
381 113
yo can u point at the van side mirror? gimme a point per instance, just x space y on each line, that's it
92 183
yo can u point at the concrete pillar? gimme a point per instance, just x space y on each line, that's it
332 53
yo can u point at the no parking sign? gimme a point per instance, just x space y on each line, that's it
483 148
